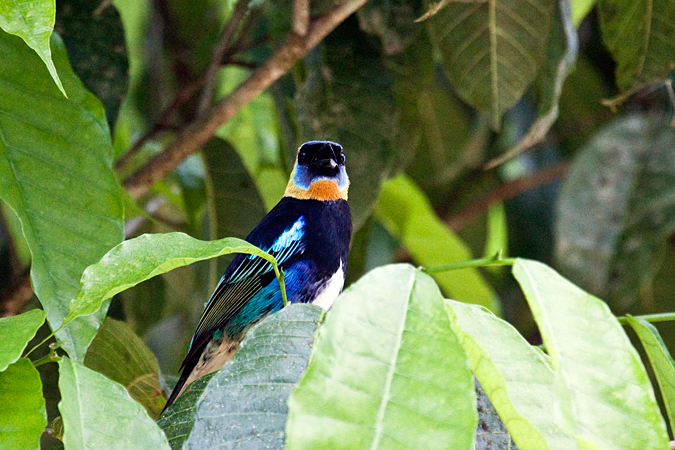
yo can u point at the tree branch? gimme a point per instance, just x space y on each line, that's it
505 192
240 9
199 132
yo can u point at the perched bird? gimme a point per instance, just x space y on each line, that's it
308 232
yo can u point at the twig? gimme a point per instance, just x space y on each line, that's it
198 133
300 20
160 124
504 192
240 9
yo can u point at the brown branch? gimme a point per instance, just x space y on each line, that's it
199 132
505 192
240 9
300 20
161 123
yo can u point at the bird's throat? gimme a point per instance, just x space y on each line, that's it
319 190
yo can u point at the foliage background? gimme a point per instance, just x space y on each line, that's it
447 140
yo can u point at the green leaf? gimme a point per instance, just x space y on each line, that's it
492 50
16 332
244 404
118 353
580 9
347 97
99 413
33 22
561 56
235 199
23 416
662 362
640 35
617 209
146 256
386 371
94 37
56 175
600 377
517 378
406 214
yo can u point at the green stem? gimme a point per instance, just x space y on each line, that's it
50 357
494 260
652 318
279 272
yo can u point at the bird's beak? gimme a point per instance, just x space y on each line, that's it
325 164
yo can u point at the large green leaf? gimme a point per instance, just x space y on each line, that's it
16 332
600 378
55 174
561 55
33 22
662 363
236 203
617 209
347 97
118 353
406 214
99 413
517 378
492 50
94 38
23 417
640 34
146 256
386 371
244 405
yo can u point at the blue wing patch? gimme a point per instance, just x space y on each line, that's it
235 289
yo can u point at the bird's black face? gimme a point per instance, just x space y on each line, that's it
322 158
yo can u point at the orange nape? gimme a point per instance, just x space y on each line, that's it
318 190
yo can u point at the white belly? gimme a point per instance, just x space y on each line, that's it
331 290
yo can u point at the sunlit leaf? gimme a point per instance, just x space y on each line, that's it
118 353
244 405
146 256
617 208
55 174
99 413
662 362
492 50
640 34
386 371
517 377
407 215
16 332
600 378
22 416
33 22
580 9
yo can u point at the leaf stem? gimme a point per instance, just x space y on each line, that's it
495 260
651 318
50 357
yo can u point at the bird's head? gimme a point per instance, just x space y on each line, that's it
319 172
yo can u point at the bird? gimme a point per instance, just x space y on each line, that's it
308 232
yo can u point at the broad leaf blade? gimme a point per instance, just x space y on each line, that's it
33 22
146 256
23 415
99 413
244 405
492 50
608 389
617 209
386 371
16 332
407 215
662 362
640 34
118 353
347 97
56 175
517 378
